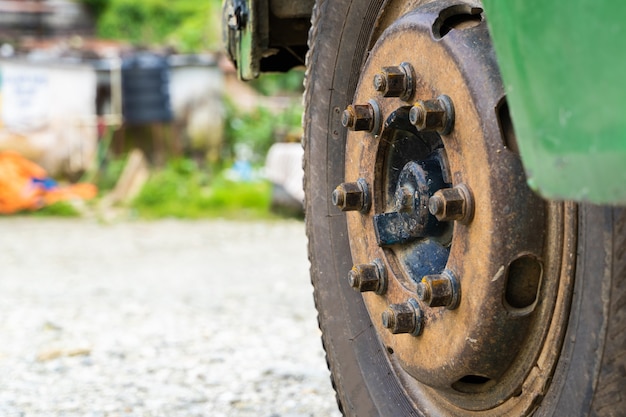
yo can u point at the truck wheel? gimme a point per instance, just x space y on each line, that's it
444 286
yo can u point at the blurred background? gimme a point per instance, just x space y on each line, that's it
136 99
152 249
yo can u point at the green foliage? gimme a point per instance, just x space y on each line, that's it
188 25
182 190
58 209
254 129
260 128
97 7
109 174
280 83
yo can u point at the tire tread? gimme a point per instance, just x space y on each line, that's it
610 394
306 99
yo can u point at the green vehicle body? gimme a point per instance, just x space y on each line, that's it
564 69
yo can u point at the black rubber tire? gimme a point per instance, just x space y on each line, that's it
590 377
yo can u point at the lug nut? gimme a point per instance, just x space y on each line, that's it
352 196
362 117
404 318
395 81
450 204
369 277
441 290
433 115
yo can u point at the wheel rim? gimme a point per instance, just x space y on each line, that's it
498 267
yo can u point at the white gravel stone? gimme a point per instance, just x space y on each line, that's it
150 319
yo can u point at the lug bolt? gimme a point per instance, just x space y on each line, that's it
404 197
369 277
392 82
450 204
380 82
404 318
441 290
352 196
395 81
433 115
360 117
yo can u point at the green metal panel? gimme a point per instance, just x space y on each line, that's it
564 68
245 34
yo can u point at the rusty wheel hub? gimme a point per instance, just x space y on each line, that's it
461 266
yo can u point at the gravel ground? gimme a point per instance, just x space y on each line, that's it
168 318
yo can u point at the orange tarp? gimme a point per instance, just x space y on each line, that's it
24 185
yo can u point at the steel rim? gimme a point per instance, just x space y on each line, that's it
482 332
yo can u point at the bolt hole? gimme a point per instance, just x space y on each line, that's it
506 126
457 17
471 384
390 350
523 279
474 379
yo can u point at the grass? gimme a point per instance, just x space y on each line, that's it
58 209
182 190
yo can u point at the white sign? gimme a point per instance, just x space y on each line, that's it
26 98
